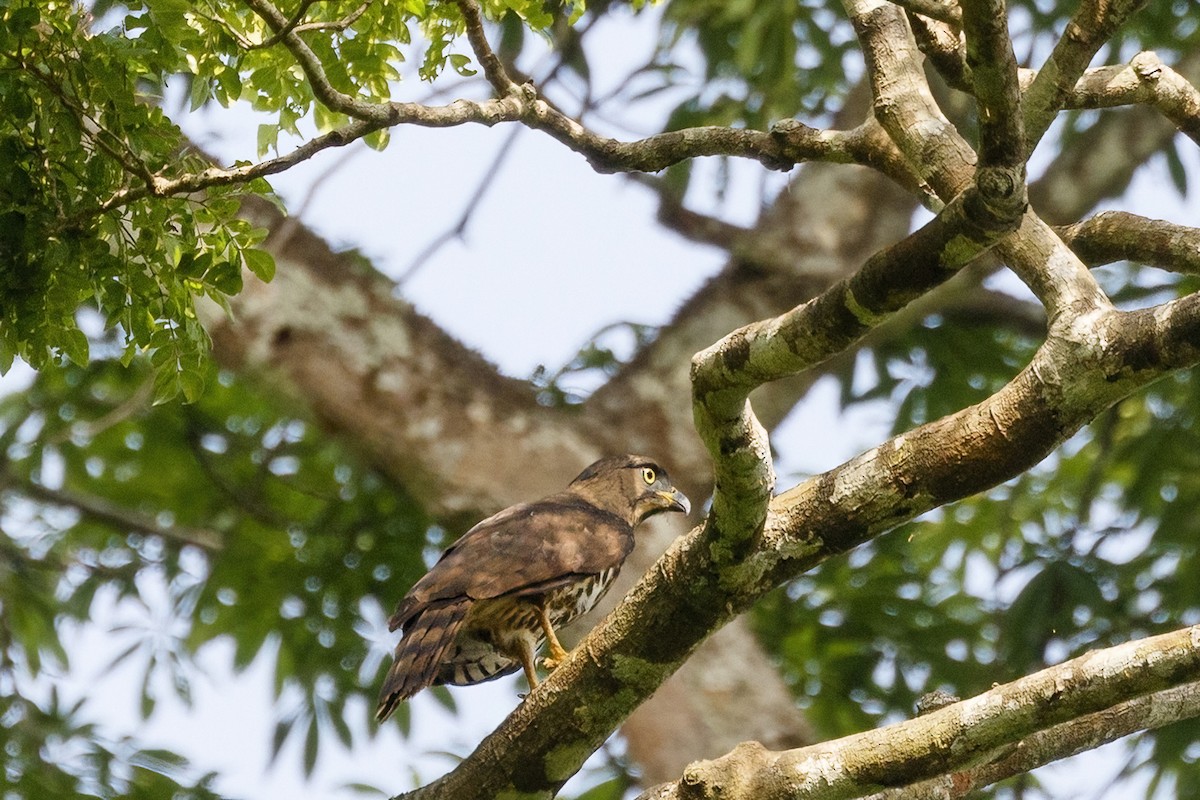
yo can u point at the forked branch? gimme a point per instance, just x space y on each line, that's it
985 729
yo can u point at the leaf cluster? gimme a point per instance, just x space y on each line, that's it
254 527
80 129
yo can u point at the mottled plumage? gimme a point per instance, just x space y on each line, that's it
503 588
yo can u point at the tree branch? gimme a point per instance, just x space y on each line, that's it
951 738
994 70
1060 741
1093 24
113 514
943 46
1145 80
945 11
1121 236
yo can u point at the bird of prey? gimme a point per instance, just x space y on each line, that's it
503 588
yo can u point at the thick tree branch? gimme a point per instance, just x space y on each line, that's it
1104 158
772 349
1093 24
1060 741
942 44
1121 236
694 590
952 738
994 70
1145 80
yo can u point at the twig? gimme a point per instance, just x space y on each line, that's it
493 69
457 230
691 225
298 27
112 514
137 402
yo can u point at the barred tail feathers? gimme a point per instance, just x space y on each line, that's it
420 653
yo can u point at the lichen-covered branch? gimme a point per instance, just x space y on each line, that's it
1145 80
997 91
953 738
1092 25
1058 742
724 375
1121 236
774 348
694 590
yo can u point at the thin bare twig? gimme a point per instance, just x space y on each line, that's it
457 230
112 514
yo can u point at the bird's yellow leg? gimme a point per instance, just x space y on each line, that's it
525 654
558 653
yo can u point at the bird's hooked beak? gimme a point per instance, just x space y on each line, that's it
676 501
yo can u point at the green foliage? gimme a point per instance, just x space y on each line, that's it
50 752
79 233
259 530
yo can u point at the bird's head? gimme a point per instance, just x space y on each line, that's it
633 487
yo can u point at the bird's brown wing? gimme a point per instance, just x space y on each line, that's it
524 549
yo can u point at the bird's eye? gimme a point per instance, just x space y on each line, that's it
648 475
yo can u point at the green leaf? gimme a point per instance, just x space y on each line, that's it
260 263
310 747
268 136
1175 167
22 19
166 384
75 345
462 65
191 381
